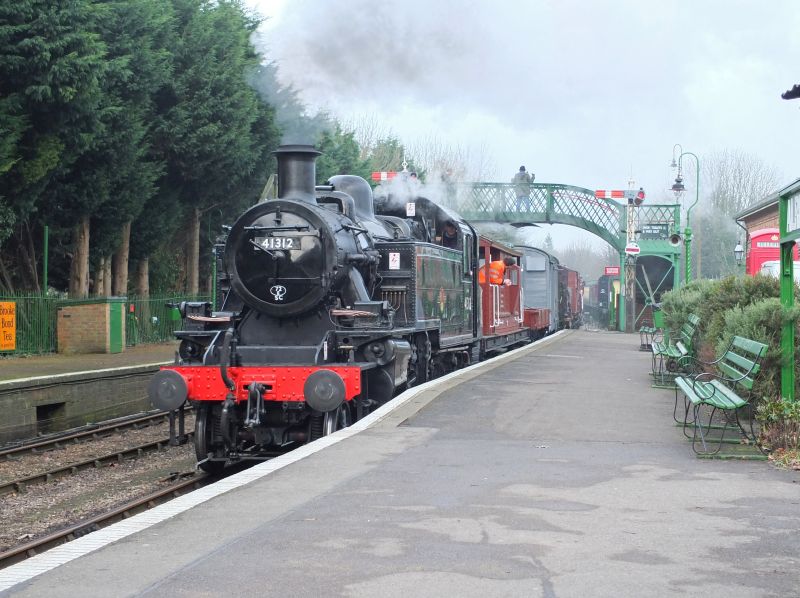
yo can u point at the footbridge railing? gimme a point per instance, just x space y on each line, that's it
566 204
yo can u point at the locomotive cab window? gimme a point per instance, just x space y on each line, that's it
467 256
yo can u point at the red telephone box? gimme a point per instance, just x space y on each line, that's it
764 246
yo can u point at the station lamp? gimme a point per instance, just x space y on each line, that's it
678 186
738 253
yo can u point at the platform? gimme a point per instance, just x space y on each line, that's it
46 394
18 368
553 471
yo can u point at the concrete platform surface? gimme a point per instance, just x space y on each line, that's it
556 473
16 368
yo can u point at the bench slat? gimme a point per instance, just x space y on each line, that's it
712 393
743 363
729 394
750 346
731 372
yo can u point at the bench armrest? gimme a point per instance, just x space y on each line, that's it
708 376
707 364
693 364
700 364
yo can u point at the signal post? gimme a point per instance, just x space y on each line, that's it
627 314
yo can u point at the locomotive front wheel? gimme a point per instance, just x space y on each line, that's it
203 439
336 420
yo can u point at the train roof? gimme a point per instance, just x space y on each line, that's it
509 249
528 249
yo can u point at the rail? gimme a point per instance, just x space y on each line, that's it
39 545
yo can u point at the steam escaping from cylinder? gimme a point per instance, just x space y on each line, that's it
297 172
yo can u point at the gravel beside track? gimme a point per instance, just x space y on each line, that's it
46 507
33 463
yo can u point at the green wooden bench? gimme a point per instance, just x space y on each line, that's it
650 330
647 333
728 391
669 357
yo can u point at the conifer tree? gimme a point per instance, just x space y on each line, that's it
51 62
209 121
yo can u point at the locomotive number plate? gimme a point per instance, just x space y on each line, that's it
278 243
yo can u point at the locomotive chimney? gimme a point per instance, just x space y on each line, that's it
297 172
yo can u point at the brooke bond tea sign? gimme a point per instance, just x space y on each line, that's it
8 326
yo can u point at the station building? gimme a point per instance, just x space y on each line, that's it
762 237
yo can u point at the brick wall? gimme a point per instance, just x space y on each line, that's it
85 398
762 219
84 328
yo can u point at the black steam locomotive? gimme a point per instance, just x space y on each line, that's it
329 310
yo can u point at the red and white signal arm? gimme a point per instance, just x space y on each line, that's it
383 176
632 249
604 194
612 271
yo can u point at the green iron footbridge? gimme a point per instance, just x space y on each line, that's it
657 264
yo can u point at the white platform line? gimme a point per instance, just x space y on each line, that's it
65 553
70 375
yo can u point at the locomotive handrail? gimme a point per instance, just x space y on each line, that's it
296 227
496 304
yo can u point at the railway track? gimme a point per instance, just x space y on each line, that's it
23 551
20 484
75 437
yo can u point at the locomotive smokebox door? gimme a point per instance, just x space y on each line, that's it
281 269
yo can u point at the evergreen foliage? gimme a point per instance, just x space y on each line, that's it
710 300
761 321
51 65
117 111
340 155
679 303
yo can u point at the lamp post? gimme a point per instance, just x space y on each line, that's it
738 253
678 187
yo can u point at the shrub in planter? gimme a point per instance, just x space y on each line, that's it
678 303
761 321
711 300
734 291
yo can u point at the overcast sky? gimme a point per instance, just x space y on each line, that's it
582 93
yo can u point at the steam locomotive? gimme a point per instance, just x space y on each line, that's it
330 308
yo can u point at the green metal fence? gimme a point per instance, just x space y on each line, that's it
35 323
147 320
151 320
